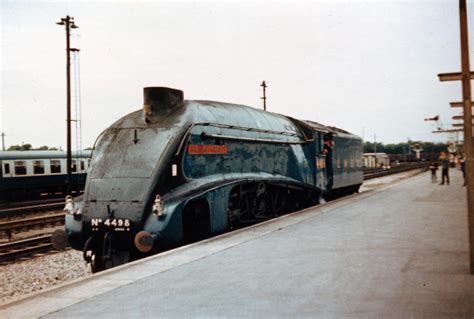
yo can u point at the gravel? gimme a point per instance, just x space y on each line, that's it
39 273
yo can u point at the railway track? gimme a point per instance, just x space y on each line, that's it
26 247
375 173
9 227
20 209
16 249
15 204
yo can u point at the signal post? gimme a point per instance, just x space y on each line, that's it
69 24
465 76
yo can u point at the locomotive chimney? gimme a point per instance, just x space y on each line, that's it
160 99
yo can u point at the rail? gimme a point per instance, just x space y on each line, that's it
18 210
26 247
31 223
375 173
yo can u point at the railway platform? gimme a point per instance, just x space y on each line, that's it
399 251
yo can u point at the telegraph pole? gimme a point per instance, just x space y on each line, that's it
68 22
264 98
3 141
466 76
467 110
375 149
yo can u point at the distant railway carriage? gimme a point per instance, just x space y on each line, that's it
24 174
182 170
375 160
403 157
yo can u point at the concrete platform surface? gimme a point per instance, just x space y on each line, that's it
396 252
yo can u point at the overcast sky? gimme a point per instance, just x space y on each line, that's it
369 67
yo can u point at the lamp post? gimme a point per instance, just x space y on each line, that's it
264 98
68 22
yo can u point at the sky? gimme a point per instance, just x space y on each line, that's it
369 67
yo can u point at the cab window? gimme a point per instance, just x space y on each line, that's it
55 166
83 165
20 167
38 167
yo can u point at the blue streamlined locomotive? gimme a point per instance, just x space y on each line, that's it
179 171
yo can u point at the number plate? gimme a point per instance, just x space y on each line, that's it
115 224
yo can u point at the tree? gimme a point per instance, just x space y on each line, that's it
405 147
46 148
14 148
28 147
22 147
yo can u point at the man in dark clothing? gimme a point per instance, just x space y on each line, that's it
444 159
463 169
328 151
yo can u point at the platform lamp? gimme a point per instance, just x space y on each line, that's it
69 24
264 98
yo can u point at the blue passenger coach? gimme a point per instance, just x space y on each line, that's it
24 174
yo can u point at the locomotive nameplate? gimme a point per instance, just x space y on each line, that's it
115 224
201 149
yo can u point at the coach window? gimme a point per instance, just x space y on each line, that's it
7 169
20 168
55 166
83 166
38 167
73 166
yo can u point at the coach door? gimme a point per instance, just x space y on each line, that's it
6 169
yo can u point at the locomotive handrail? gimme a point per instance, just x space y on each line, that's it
183 140
249 139
95 142
249 129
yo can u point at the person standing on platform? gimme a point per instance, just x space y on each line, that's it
433 168
463 168
444 159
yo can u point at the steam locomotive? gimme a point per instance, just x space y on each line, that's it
179 171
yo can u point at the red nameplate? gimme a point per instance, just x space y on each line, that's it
198 149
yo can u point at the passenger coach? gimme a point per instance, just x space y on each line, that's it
26 174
